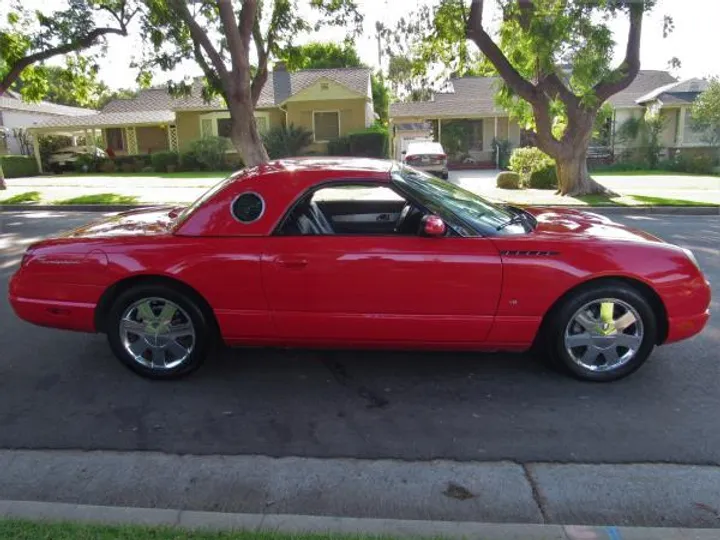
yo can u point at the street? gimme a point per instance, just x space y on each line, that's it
62 390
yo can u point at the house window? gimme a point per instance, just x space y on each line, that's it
115 139
326 125
219 124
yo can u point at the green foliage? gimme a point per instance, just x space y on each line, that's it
189 161
706 112
210 152
282 141
508 180
17 166
85 163
23 198
526 161
455 137
688 163
646 131
100 198
339 147
132 164
381 97
545 178
106 166
372 142
165 161
43 33
50 143
318 55
502 147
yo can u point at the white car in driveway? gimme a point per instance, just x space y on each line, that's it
427 156
65 158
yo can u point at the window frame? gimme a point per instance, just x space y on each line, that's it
339 124
223 115
123 142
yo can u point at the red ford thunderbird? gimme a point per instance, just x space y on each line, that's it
363 253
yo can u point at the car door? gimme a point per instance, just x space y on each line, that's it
382 289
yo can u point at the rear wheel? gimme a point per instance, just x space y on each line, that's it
158 332
602 334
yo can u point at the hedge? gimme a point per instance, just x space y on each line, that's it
545 178
17 166
372 142
508 180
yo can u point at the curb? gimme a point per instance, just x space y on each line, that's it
629 210
295 524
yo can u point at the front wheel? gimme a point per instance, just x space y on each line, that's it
603 333
158 332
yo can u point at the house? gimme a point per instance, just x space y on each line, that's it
328 102
466 119
16 114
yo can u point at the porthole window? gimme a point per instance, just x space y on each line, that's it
248 207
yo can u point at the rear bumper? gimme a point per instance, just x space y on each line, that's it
680 328
55 314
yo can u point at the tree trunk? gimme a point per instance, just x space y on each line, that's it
245 136
573 176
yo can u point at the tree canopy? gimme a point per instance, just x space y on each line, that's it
706 112
29 38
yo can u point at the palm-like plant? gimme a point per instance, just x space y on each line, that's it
286 141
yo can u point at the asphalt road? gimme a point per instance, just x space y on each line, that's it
60 390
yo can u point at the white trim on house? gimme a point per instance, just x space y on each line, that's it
313 123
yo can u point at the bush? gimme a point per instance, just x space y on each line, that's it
526 161
106 166
543 179
189 162
16 166
697 164
164 161
372 142
282 141
49 143
210 152
508 180
339 147
85 163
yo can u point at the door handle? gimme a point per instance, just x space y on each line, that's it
292 263
383 217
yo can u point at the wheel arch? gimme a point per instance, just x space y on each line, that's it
119 287
640 286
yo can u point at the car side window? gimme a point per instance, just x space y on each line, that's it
352 209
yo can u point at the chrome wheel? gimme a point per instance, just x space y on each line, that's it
604 335
157 333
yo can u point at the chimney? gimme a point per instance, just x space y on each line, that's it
281 82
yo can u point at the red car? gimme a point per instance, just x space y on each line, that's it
363 253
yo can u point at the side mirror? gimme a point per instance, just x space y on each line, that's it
433 226
404 152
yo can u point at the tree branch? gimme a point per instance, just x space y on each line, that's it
552 86
263 52
211 75
620 78
82 43
199 36
474 31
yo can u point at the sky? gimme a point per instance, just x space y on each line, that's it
695 40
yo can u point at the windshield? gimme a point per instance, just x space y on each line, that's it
441 197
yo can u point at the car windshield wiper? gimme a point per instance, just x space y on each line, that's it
517 219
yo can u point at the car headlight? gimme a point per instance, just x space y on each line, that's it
691 256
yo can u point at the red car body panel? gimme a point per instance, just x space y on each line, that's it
351 291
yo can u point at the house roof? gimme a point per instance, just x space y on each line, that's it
12 101
475 96
279 87
108 119
676 92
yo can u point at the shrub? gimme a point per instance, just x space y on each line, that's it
106 166
282 141
339 147
163 161
697 164
16 166
543 179
129 166
85 163
210 152
372 142
49 143
189 162
508 180
526 161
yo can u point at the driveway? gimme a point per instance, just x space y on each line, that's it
65 390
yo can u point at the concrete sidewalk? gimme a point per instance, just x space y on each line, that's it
648 495
299 524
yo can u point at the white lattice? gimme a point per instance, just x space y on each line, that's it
172 137
131 137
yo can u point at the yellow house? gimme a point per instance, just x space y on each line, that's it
328 102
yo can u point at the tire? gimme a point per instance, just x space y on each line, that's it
158 354
615 349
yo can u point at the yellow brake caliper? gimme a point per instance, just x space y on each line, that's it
606 318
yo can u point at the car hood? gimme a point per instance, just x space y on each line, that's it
569 222
144 222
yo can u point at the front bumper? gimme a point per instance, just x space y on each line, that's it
680 328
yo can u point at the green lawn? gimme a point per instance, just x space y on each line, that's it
636 200
26 530
23 198
100 198
646 172
187 174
